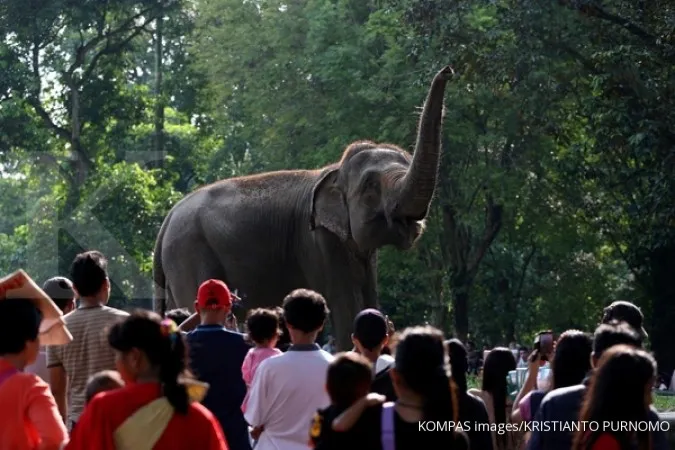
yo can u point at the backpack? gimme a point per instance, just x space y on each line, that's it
387 422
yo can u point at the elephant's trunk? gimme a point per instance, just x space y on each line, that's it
418 185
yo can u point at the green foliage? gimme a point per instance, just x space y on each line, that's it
556 184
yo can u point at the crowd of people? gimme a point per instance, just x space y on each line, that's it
138 381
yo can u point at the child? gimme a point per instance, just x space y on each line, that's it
263 330
370 336
178 315
295 379
29 418
348 382
284 341
105 380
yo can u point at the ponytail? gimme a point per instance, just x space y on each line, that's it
460 380
421 361
440 401
172 366
459 366
164 347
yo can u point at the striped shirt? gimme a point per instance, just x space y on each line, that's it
87 354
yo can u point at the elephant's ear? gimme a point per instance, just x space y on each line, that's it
328 208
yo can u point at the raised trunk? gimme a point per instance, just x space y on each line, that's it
417 187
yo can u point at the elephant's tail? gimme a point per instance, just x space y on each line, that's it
159 285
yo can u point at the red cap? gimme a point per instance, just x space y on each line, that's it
213 294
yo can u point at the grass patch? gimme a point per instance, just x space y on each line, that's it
472 381
662 403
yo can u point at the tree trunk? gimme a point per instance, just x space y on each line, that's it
79 161
75 121
460 306
663 310
439 307
513 294
159 99
439 304
465 256
510 311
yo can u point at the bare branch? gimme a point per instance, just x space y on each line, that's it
35 67
473 196
615 243
492 226
52 159
455 241
83 50
44 115
523 272
595 9
585 62
109 49
101 22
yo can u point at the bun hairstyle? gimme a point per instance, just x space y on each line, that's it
422 363
162 344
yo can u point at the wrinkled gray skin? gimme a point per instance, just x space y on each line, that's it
271 233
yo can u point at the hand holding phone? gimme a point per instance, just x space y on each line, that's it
543 343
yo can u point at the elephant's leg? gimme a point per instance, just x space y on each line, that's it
344 295
345 304
341 277
170 300
198 264
370 298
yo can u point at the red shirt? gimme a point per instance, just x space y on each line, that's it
606 442
197 429
29 418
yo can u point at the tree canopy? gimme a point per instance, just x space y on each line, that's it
557 190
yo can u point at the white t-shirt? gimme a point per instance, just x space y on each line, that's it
285 394
382 362
39 367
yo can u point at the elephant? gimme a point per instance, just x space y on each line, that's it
270 233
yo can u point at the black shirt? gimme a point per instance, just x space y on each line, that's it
366 434
216 356
322 436
472 409
382 384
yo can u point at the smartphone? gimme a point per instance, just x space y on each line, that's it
543 343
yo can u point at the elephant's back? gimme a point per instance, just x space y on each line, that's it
262 186
245 228
256 204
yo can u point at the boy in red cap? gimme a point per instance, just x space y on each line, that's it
216 357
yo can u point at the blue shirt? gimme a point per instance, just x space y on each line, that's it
216 355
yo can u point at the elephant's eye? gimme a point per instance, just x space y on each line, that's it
370 184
